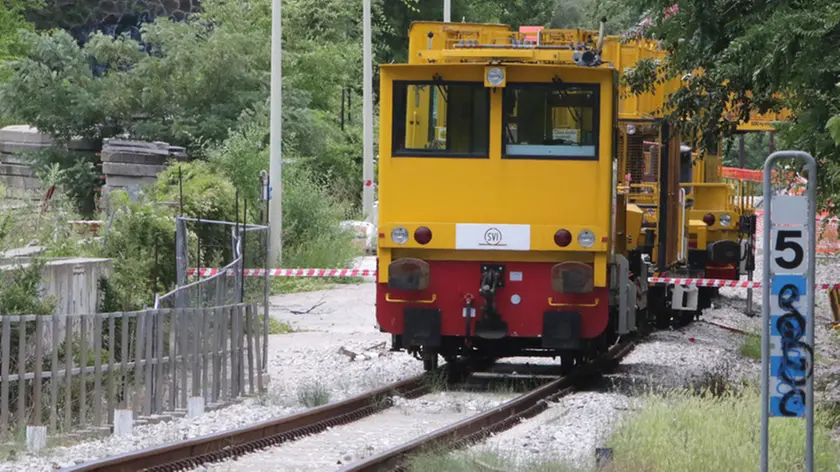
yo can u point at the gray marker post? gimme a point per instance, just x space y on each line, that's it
793 276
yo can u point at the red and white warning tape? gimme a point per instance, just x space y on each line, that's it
723 283
208 272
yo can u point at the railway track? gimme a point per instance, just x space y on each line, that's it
727 328
539 390
480 426
188 454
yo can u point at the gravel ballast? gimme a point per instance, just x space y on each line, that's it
335 352
352 442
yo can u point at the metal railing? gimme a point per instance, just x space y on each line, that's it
71 372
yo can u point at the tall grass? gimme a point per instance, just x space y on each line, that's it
689 433
484 461
679 431
751 346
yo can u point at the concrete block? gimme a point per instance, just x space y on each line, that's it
36 438
127 143
27 135
24 134
121 181
7 158
19 182
130 170
126 157
14 147
123 422
195 407
16 169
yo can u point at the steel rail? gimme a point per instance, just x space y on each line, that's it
503 417
240 441
726 327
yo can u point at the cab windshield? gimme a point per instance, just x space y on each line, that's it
551 121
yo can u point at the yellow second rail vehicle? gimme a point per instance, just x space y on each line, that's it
503 230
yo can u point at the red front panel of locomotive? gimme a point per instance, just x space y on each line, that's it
526 295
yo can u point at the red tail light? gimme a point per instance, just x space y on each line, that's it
423 235
709 219
562 238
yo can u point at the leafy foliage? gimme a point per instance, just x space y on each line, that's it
759 56
191 89
311 212
141 242
20 292
756 150
12 21
74 171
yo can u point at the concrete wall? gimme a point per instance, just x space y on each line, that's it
73 282
75 285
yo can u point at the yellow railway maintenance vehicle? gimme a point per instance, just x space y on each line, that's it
717 214
501 232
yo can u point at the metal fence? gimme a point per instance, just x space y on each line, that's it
247 249
71 372
232 246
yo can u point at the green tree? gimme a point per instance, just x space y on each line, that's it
189 90
756 150
759 56
12 23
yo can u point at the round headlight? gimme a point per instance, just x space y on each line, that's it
495 76
399 235
586 238
725 220
631 129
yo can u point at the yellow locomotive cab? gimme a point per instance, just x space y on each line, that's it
497 190
464 158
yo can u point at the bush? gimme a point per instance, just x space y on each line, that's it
312 236
314 394
20 291
207 194
74 172
141 242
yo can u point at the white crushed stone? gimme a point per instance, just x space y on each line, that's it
570 429
342 445
318 353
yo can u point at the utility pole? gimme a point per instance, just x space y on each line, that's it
447 11
275 208
367 189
